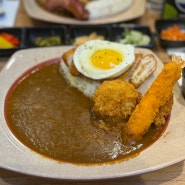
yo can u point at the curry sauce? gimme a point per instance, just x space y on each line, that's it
55 120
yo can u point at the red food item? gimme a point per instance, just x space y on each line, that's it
75 7
11 38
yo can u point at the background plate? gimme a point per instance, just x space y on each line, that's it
36 12
18 157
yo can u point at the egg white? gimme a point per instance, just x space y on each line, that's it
83 53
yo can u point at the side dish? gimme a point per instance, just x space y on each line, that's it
134 37
48 41
173 33
8 40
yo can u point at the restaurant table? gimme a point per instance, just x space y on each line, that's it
171 175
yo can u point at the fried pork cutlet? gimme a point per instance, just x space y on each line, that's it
143 68
115 100
157 95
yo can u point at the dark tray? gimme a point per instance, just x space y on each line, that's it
27 36
67 34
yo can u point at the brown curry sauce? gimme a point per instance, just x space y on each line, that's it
55 120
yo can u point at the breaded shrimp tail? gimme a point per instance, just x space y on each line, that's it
156 96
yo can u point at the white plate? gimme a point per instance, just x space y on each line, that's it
133 12
167 150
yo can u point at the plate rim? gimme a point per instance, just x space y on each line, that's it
36 12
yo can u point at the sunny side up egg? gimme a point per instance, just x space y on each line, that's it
97 59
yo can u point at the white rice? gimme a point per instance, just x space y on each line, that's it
85 85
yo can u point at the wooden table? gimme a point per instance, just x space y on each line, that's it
172 175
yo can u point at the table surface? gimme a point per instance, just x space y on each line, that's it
172 175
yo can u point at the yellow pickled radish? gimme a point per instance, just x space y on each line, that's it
5 44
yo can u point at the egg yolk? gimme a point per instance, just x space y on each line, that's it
106 59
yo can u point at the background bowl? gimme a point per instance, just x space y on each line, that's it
163 24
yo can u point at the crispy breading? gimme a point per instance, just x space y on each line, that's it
156 96
164 111
92 36
67 58
142 68
73 70
126 75
115 100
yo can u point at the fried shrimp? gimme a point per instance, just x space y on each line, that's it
157 95
115 100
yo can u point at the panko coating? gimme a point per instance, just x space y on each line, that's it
115 100
157 95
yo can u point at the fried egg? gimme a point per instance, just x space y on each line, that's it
97 59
